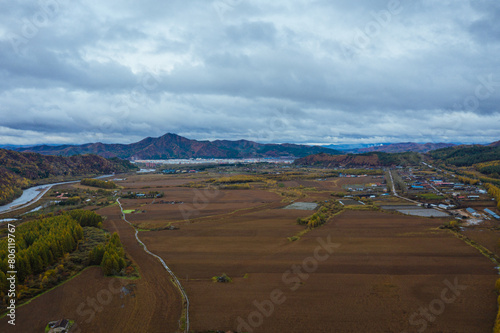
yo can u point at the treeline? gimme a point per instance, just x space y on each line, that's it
467 180
466 156
475 178
374 159
496 327
111 257
313 221
86 218
491 169
98 183
20 170
320 217
39 244
494 191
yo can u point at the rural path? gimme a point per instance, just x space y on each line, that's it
396 193
175 280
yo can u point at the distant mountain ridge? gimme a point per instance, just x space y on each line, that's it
406 147
174 146
494 144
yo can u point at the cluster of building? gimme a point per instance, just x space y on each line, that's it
451 193
418 182
368 190
160 163
175 171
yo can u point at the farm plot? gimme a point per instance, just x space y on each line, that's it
415 210
192 204
105 304
385 269
302 206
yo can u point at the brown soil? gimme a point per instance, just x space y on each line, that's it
386 268
154 307
197 203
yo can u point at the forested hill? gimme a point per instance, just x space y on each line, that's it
377 159
20 170
467 155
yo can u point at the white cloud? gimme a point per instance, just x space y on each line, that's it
302 71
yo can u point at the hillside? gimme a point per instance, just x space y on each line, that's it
467 155
405 147
494 144
360 160
175 146
20 170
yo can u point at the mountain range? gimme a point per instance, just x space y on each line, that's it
174 146
171 146
405 147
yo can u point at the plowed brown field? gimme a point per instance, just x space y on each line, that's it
363 271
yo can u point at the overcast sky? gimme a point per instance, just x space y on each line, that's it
269 71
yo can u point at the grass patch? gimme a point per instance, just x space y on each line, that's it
222 278
298 235
362 207
430 196
46 291
484 251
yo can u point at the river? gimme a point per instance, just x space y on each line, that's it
33 194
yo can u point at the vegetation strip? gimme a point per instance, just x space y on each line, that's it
484 251
174 278
47 291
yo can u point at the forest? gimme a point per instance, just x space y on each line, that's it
491 169
494 191
21 170
39 244
53 248
466 155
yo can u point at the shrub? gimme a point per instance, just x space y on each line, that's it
222 279
98 183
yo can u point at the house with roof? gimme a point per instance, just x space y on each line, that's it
59 326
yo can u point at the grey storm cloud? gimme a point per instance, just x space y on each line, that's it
306 71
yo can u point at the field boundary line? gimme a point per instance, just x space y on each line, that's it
223 215
484 251
174 278
49 290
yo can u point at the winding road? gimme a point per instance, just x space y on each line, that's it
174 278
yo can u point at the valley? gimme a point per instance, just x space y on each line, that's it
361 261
